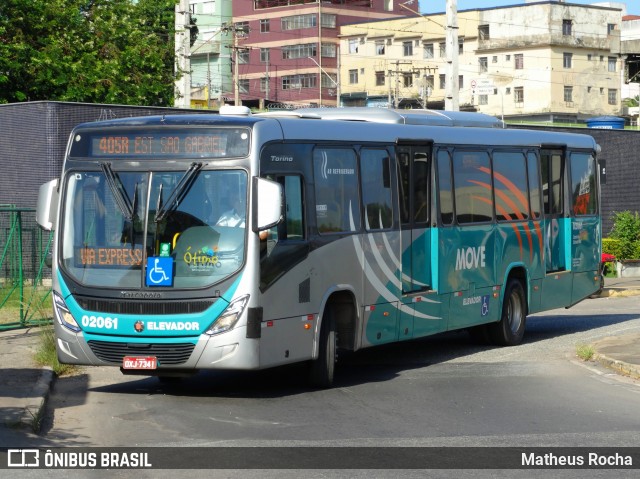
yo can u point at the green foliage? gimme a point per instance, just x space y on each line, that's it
46 354
626 229
102 51
585 352
612 246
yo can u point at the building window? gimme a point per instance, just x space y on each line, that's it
407 48
242 28
380 47
518 94
353 76
494 59
296 22
353 45
264 55
443 81
329 80
290 52
589 56
612 64
613 96
296 82
443 49
483 32
611 27
429 81
483 99
329 50
519 61
243 86
243 56
566 27
427 50
379 78
484 66
568 94
264 84
264 26
460 46
567 60
460 82
407 80
328 20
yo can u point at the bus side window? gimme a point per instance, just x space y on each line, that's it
293 226
533 167
445 188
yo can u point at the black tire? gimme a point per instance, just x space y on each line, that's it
509 331
321 370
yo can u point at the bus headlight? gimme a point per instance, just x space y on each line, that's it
229 316
63 315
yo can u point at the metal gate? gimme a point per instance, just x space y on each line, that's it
25 278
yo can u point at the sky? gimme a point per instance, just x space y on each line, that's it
439 6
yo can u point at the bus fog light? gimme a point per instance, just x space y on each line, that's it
229 317
63 315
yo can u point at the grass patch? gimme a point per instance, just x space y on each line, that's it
585 352
46 354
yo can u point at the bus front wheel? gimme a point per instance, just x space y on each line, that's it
510 329
322 368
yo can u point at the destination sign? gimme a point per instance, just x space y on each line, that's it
201 143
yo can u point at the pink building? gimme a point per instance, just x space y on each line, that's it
287 50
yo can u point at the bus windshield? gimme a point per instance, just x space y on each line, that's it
116 222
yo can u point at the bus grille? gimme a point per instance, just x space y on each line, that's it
142 307
166 353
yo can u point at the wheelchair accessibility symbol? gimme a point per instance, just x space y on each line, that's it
485 305
159 271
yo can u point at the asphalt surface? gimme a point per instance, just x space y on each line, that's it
25 386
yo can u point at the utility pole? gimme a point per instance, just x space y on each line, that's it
183 60
396 75
424 88
451 101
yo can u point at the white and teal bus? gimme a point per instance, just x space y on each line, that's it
240 241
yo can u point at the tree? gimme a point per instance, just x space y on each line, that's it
97 51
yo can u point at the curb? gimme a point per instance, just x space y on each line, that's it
34 409
620 367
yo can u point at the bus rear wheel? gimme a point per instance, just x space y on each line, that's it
321 370
509 331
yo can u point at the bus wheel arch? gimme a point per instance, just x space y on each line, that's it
509 330
337 331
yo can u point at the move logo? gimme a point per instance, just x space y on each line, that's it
470 258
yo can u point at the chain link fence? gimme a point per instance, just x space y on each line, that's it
25 278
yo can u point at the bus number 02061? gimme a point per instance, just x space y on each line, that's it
99 322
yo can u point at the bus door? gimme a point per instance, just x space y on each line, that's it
585 223
556 286
419 314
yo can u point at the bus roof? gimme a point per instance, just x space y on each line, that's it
384 115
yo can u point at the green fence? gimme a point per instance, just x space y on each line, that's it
25 279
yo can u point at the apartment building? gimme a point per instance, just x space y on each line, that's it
535 61
286 51
210 56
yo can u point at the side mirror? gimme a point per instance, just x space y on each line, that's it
47 208
268 201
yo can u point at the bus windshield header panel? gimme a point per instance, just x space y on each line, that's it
161 143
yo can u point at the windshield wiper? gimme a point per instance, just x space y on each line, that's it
117 189
126 207
178 193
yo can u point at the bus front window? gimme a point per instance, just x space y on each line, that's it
115 220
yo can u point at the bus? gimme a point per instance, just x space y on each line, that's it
242 241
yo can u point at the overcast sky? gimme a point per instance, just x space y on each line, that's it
439 6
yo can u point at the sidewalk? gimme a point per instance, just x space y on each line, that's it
25 386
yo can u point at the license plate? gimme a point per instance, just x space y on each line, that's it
131 362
